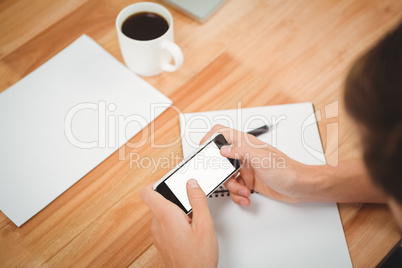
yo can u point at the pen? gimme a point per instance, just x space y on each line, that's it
258 131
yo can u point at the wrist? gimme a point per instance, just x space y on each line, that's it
315 185
346 183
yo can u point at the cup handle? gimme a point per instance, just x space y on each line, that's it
175 51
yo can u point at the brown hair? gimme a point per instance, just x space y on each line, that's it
373 97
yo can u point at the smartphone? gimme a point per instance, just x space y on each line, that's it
206 165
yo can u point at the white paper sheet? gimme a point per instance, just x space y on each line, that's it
270 233
65 118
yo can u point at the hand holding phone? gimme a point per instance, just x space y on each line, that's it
206 165
181 241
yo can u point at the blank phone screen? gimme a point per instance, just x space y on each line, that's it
208 167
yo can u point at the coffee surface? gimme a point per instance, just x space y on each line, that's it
144 26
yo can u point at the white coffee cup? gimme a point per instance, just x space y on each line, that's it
150 57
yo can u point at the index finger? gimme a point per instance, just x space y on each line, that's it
230 134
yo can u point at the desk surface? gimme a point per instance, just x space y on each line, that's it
251 53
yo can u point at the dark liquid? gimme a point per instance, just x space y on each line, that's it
144 26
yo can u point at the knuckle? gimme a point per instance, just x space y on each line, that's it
198 196
199 200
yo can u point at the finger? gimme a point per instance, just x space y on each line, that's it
198 201
241 180
210 133
238 192
234 136
240 200
155 201
237 188
247 176
231 135
244 150
237 151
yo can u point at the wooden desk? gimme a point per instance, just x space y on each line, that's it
251 52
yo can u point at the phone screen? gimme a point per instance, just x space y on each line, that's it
208 167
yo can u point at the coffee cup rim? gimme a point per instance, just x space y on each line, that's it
142 7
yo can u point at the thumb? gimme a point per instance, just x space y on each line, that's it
198 201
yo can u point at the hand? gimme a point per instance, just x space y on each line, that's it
268 171
264 169
183 241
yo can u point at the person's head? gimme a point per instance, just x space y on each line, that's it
373 97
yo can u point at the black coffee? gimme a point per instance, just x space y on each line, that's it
144 26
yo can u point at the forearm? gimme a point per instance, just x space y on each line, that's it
347 183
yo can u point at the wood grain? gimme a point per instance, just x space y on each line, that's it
250 53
